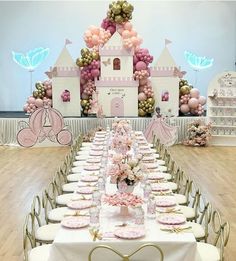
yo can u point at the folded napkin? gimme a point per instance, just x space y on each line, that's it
176 229
95 234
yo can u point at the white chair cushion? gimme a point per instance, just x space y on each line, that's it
81 157
47 232
156 155
64 199
161 162
162 168
79 163
57 214
208 252
86 148
73 177
83 153
197 230
150 145
77 169
40 253
86 144
173 186
188 212
180 199
167 176
70 187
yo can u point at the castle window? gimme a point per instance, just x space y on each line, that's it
165 96
116 64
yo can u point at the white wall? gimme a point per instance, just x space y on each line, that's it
206 28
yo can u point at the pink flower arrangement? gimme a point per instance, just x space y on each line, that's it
121 127
123 199
122 169
198 134
89 136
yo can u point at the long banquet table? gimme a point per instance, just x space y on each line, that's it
75 244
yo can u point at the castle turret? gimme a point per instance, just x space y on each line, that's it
66 77
165 84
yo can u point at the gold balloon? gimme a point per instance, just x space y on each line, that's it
119 19
151 101
84 103
84 51
184 90
141 113
116 9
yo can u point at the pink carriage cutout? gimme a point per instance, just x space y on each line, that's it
44 123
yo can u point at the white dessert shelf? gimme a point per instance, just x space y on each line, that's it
222 109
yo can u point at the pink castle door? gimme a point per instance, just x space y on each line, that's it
117 107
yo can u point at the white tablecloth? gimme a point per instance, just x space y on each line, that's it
71 245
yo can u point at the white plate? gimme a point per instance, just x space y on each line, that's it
86 190
89 178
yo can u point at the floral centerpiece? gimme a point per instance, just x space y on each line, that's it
122 127
126 172
199 134
89 136
123 200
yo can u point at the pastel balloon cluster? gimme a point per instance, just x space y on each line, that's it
91 71
87 57
108 25
146 89
192 103
95 36
142 56
65 96
41 95
87 89
120 11
130 37
140 75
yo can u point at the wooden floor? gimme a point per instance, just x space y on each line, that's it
25 172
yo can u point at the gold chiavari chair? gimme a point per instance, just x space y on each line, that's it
31 251
127 257
43 233
219 236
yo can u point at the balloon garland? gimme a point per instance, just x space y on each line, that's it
190 101
118 18
43 93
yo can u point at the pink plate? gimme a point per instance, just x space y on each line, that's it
86 190
97 148
165 203
159 187
129 232
94 160
156 176
75 222
98 143
92 167
171 219
80 204
144 147
96 153
89 178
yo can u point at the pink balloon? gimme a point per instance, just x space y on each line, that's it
133 33
184 108
39 103
95 72
25 107
49 93
31 99
140 66
202 100
95 39
194 93
112 29
193 103
142 96
128 26
126 34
